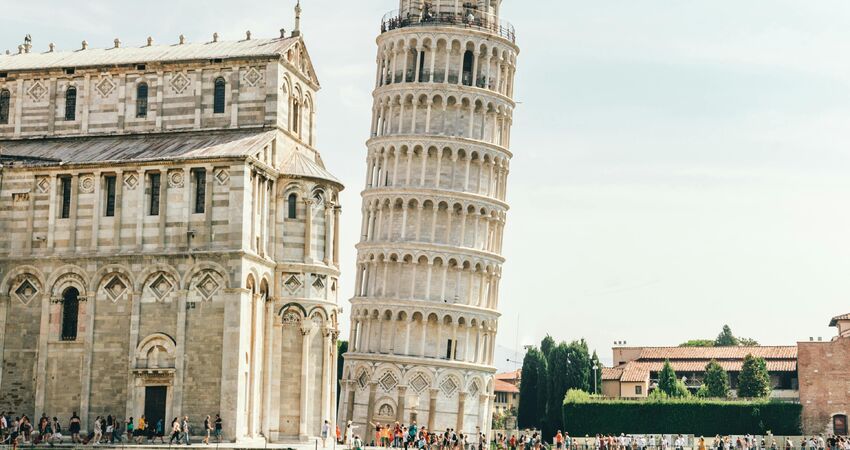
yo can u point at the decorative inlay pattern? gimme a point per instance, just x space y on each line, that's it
292 284
179 82
363 380
87 184
131 180
419 383
208 286
253 77
161 287
291 318
26 291
105 86
115 288
388 382
449 386
42 184
37 91
175 179
222 176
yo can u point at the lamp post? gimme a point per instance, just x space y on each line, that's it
595 368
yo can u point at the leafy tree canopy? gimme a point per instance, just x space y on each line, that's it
754 381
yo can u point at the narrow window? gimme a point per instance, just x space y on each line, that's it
110 196
296 117
154 210
638 390
142 100
218 96
200 190
468 59
65 210
292 205
450 348
70 312
422 67
71 104
4 106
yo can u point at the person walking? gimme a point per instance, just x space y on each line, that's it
207 430
160 430
130 429
349 434
175 431
74 428
98 434
218 430
326 429
185 429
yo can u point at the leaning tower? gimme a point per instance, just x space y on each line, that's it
425 311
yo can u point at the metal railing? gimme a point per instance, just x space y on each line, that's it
470 18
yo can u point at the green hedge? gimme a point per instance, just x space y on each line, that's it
697 417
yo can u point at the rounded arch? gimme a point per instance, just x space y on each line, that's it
105 273
148 272
205 266
12 278
68 276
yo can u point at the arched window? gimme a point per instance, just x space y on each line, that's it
292 206
4 106
71 104
218 96
70 312
142 100
468 62
296 117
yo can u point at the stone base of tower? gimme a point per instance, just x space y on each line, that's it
432 395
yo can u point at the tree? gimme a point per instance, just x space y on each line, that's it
546 346
716 381
748 342
667 379
558 369
726 338
533 366
698 343
754 381
341 350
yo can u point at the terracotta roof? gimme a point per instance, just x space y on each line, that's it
190 51
718 353
147 147
835 319
635 372
504 386
612 373
513 375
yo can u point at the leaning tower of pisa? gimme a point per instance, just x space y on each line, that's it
425 311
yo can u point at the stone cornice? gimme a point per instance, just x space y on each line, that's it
419 362
426 139
441 193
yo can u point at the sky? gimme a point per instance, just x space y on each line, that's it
677 165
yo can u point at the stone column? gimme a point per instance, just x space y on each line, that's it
370 411
327 379
432 408
350 389
337 212
304 412
400 401
461 405
329 238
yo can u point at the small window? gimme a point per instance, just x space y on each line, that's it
109 211
142 100
292 206
70 70
70 313
71 104
218 96
200 189
154 204
65 207
296 117
4 106
638 390
141 67
451 349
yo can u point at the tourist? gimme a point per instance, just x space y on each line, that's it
159 430
559 440
130 430
357 443
98 430
110 428
338 435
175 431
218 428
15 433
701 443
185 429
57 431
208 429
349 434
326 429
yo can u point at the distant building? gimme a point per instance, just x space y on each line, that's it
506 391
825 381
635 371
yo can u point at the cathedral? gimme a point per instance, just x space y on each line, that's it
170 236
425 312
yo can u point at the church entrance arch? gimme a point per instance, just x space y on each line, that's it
839 425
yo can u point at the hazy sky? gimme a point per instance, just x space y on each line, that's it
678 165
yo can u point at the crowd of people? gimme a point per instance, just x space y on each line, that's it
412 436
19 430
